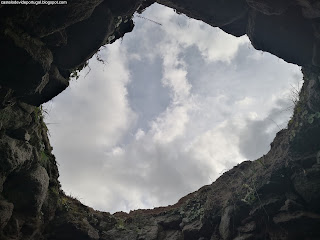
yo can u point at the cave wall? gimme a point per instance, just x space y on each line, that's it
285 28
43 45
274 197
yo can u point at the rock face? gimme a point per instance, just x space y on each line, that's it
48 43
274 197
281 27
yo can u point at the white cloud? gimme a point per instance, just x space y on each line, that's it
245 102
171 124
214 44
219 113
99 97
139 134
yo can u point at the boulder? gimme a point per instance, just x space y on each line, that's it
288 36
13 154
28 197
6 209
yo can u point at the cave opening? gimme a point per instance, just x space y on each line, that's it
166 110
156 115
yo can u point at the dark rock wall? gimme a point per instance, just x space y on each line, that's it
42 45
287 29
28 173
274 197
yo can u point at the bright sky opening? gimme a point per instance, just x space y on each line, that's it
170 108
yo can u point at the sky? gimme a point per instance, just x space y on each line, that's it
172 106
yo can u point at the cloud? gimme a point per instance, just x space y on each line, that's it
213 44
259 133
172 108
158 173
171 123
92 115
100 98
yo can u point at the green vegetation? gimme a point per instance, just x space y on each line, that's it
44 156
54 191
120 224
250 196
63 204
192 211
39 112
302 116
312 117
44 159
